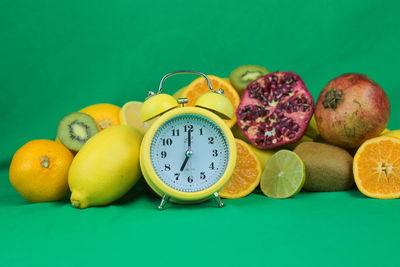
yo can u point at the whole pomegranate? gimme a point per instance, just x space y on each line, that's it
275 109
351 109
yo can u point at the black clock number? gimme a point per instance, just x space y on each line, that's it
212 166
175 132
167 167
215 153
188 128
166 141
190 179
176 176
202 175
201 131
211 140
163 154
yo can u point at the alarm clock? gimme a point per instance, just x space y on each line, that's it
189 153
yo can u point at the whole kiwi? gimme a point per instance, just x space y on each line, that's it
328 168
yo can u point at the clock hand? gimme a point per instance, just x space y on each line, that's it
184 163
189 139
187 156
188 151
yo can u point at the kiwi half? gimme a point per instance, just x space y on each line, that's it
243 75
75 129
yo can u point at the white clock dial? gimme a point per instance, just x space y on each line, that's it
189 152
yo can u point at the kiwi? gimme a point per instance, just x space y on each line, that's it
75 129
328 168
243 75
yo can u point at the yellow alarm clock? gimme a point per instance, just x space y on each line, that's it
189 153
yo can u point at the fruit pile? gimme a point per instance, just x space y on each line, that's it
285 142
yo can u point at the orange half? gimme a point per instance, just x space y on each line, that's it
246 176
199 87
376 168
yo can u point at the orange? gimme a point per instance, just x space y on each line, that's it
178 93
199 87
105 115
376 167
39 170
246 176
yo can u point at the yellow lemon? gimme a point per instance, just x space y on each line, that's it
106 167
129 115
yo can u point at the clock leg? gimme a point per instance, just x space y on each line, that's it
218 200
164 201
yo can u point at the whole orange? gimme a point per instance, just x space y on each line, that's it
39 170
105 115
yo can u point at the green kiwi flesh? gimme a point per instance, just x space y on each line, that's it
328 168
75 129
243 75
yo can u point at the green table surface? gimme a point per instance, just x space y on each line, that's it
60 56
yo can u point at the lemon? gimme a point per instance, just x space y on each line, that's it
384 131
129 115
106 167
312 129
178 93
283 176
394 133
263 155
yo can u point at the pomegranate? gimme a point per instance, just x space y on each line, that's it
275 109
351 109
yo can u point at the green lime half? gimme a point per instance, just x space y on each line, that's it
283 175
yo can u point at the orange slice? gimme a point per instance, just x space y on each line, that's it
376 167
199 87
246 176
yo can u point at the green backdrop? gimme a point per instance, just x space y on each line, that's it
60 56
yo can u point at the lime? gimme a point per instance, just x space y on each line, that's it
283 175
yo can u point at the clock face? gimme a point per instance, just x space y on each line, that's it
189 152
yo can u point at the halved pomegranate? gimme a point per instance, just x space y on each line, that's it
275 109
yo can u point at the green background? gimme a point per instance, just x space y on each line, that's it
60 56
